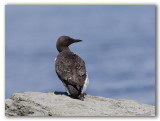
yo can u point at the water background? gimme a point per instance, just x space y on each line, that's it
118 48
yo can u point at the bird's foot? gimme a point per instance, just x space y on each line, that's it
81 97
85 93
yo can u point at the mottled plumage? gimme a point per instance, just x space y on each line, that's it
70 68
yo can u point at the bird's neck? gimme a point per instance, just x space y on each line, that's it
63 48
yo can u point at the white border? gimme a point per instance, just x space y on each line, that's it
80 2
38 2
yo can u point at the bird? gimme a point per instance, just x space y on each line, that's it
70 68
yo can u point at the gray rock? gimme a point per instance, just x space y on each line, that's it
59 104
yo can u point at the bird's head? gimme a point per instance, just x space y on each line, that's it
64 41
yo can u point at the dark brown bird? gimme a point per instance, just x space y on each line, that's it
70 68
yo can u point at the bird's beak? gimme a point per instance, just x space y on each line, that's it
77 40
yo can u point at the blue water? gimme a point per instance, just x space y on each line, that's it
118 48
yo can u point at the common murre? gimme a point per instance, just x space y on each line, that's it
70 68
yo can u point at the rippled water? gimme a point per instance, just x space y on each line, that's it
118 48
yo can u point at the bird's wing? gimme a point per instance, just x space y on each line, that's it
80 69
71 69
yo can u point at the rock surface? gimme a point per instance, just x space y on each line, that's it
60 104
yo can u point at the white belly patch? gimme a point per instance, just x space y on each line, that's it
55 59
85 84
